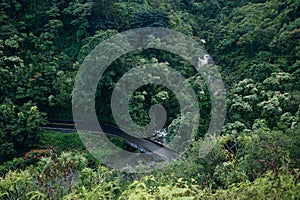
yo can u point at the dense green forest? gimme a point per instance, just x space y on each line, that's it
255 45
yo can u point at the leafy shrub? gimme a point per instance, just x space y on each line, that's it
19 127
12 165
35 155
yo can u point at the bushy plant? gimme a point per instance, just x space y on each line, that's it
19 129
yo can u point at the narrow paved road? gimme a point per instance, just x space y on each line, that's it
142 144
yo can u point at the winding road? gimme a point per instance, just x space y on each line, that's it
142 144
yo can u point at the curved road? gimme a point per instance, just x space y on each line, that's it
143 144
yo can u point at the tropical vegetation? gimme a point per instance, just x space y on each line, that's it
255 45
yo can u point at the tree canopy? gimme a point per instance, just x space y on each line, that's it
255 45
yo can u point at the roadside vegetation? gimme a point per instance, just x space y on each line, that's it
254 43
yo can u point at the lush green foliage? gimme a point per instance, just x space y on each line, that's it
60 142
18 129
255 43
65 177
